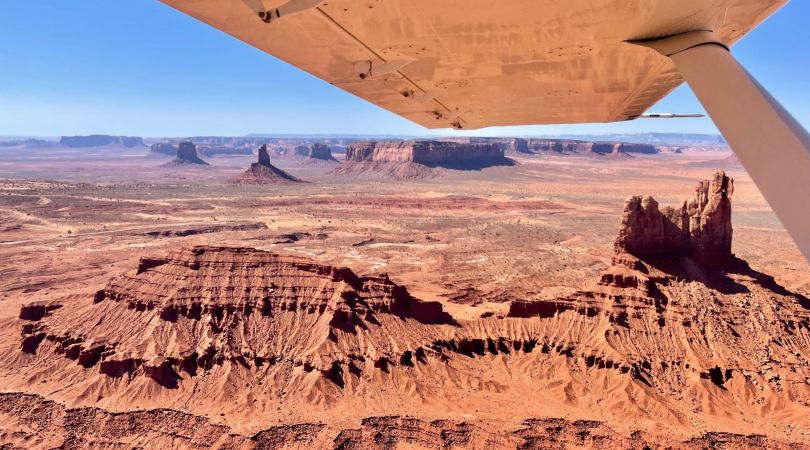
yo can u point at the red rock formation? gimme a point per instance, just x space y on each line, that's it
264 156
45 423
265 338
186 154
321 151
213 306
263 172
710 219
405 160
315 151
430 153
700 228
602 148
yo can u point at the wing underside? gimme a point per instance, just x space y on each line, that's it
476 63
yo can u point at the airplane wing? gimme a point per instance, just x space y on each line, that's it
477 63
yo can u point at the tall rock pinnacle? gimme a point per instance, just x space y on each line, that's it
700 228
264 157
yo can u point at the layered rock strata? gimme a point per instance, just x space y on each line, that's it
210 306
429 153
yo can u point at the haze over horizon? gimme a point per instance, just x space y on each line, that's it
144 69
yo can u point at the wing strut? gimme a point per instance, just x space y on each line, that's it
772 146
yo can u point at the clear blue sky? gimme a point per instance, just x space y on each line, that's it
138 67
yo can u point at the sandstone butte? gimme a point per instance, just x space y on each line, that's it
186 155
215 347
315 152
263 172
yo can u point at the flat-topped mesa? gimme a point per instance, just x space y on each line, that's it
99 140
585 147
700 228
429 153
263 172
510 146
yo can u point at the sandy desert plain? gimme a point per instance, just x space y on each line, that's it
103 253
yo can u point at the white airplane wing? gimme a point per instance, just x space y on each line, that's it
478 63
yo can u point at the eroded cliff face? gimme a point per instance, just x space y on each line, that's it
700 228
430 153
517 146
212 308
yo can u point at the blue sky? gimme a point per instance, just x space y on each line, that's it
138 67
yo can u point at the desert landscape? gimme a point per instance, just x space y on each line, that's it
377 293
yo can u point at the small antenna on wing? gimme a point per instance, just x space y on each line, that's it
667 116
